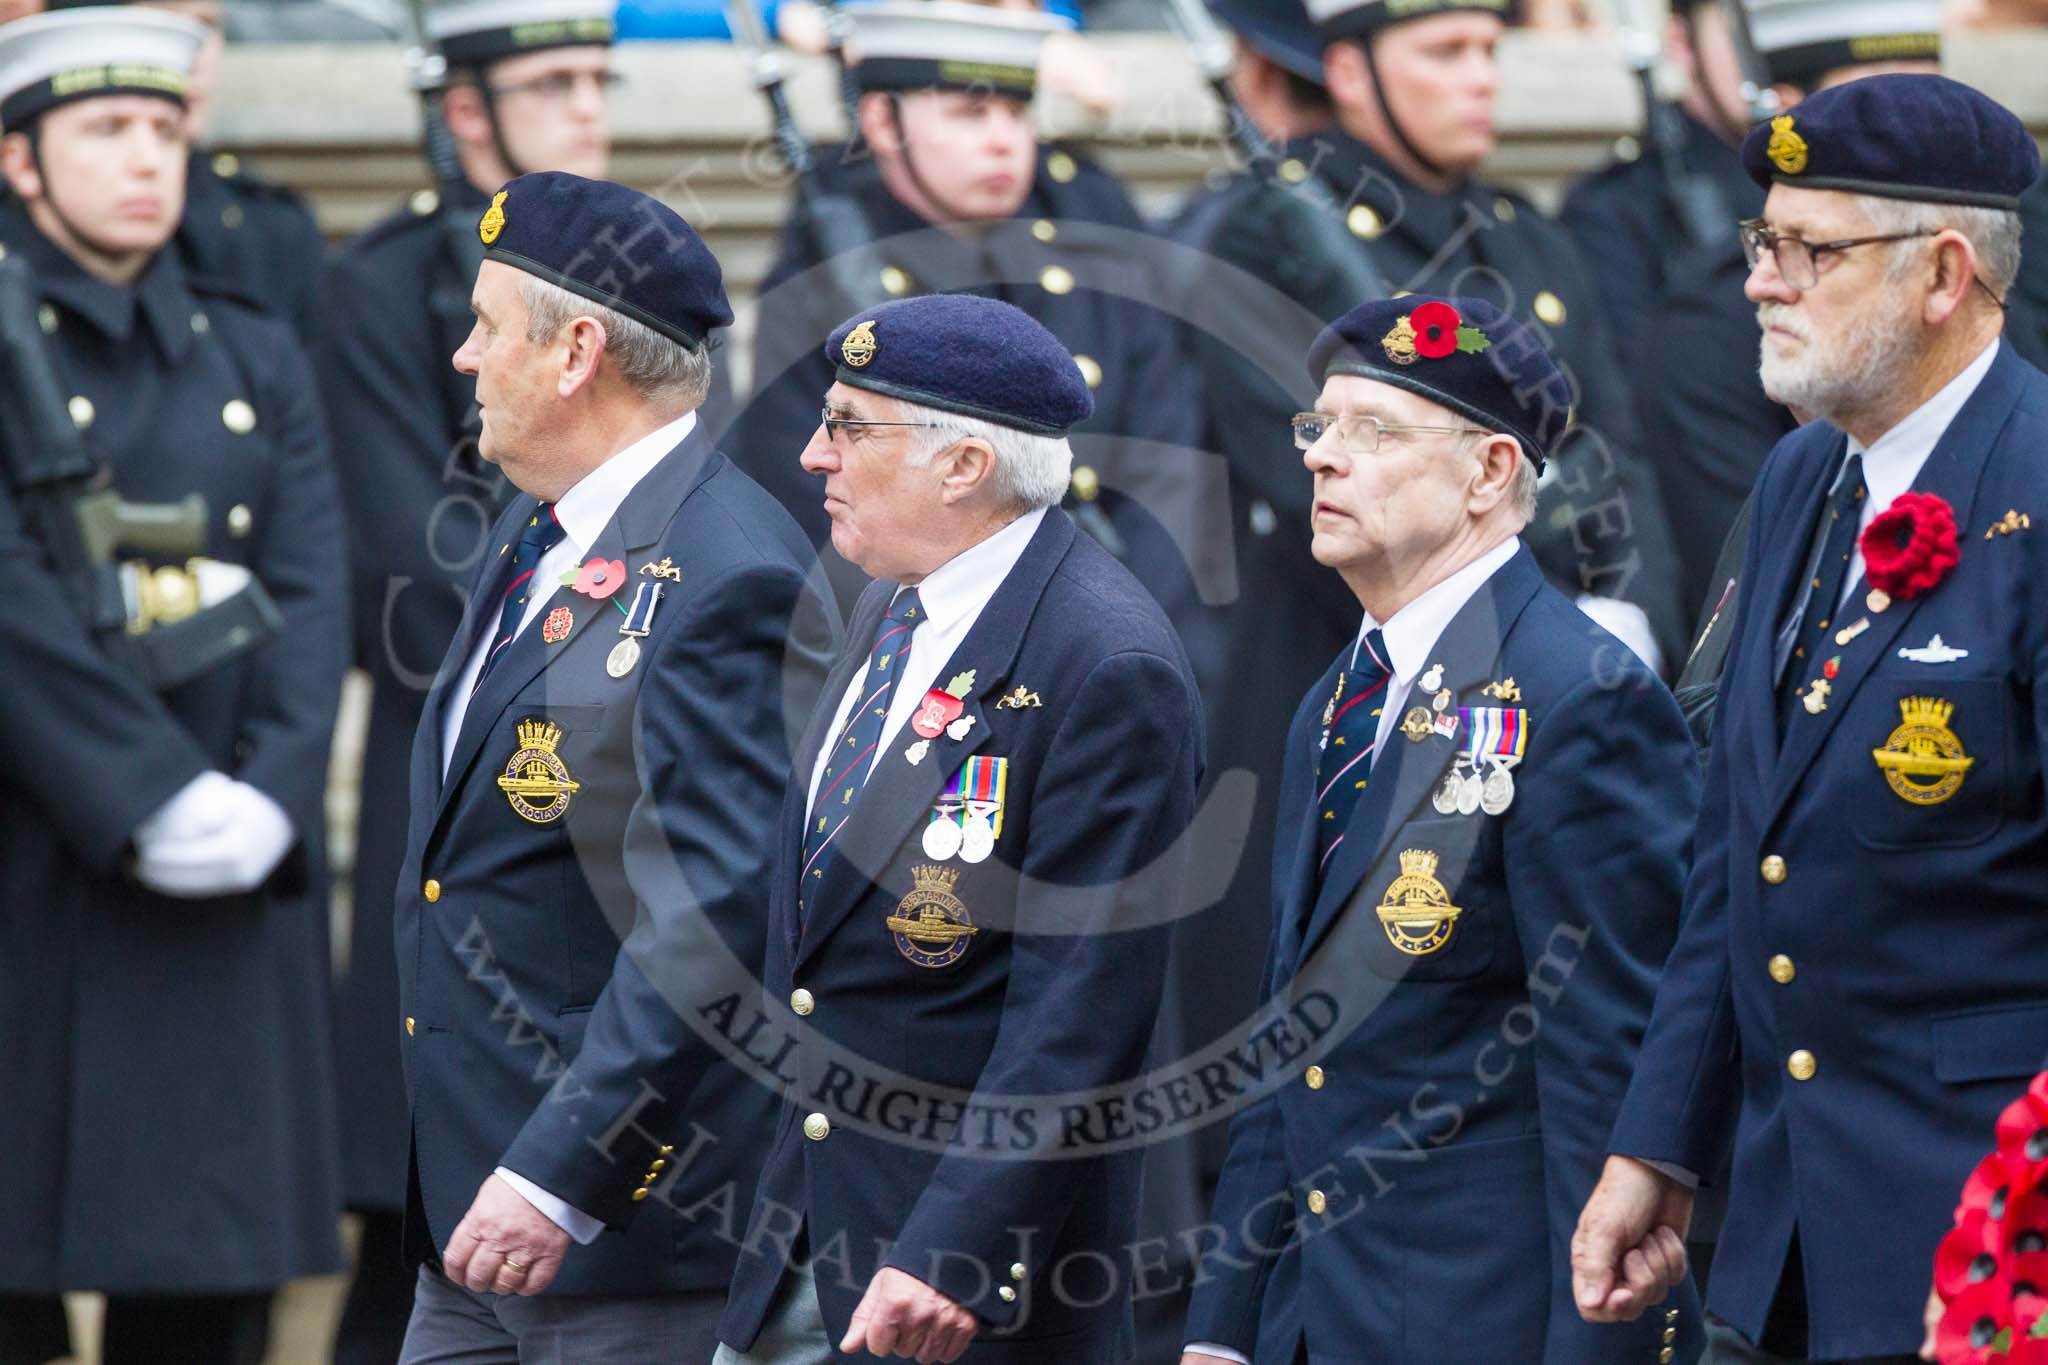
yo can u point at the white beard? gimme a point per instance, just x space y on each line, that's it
1869 360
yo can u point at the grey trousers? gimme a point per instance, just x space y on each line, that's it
795 1331
1726 1346
452 1325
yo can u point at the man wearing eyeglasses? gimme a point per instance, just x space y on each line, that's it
527 90
1858 988
1480 851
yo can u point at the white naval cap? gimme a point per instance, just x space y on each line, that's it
1800 39
945 44
476 32
72 54
1339 19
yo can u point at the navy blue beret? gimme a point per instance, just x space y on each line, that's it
611 244
966 354
1463 353
1926 138
1278 28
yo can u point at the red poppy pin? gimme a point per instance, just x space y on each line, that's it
942 706
598 578
1911 545
1433 331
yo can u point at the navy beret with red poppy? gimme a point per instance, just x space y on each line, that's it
1463 353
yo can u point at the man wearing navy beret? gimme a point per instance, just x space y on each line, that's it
979 852
1479 857
1858 989
593 794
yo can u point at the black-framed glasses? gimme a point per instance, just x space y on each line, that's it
836 427
1798 259
1357 433
559 87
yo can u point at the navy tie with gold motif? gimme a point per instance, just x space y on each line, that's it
543 532
1350 729
1827 574
853 751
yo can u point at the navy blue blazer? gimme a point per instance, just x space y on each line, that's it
1081 685
548 969
1914 953
1420 1164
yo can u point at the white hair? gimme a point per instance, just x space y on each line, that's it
1030 471
1995 233
660 369
1522 495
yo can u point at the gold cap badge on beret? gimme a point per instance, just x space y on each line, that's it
494 219
1786 149
859 347
1433 331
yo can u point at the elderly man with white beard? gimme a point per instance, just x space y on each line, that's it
1861 979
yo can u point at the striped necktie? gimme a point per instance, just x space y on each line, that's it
853 749
543 532
1351 726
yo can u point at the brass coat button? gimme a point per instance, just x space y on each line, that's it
1317 1201
1504 208
1061 167
895 280
1007 1294
1056 279
80 408
238 417
1044 230
1292 171
1091 370
425 202
409 1021
1017 1270
802 1001
226 164
1801 1065
1773 869
1314 1077
1365 221
817 1127
432 891
1086 483
1549 308
201 324
240 519
1782 970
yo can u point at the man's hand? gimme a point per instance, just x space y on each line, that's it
1200 1358
504 1245
1931 1316
1629 1250
901 1315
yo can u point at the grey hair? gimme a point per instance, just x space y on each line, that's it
1995 233
1030 471
661 370
1522 495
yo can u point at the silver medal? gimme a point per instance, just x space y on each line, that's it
942 839
1468 793
1445 798
978 840
624 655
1499 791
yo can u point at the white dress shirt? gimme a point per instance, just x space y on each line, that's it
1410 634
584 511
1895 459
954 595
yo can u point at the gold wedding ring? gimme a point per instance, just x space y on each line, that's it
514 1266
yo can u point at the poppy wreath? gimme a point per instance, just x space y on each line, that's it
1911 545
1991 1270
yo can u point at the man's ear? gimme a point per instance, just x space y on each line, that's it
965 467
877 124
1493 475
1955 273
462 109
583 343
18 165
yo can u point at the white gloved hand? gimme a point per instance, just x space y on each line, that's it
1628 623
201 806
236 855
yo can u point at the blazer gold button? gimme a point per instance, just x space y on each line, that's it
1773 869
802 1001
432 891
1061 167
424 202
1504 208
640 1194
1086 483
1549 308
1782 970
1017 1270
1292 171
1801 1065
226 164
1314 1077
895 281
1317 1201
408 1025
817 1127
1007 1294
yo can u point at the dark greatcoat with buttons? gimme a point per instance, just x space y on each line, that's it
392 308
553 963
1053 995
251 236
170 1122
1076 257
1862 1074
1423 1162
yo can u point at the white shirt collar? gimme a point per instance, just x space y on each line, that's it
1894 460
1415 628
959 588
589 507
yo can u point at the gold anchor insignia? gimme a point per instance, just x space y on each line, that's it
1018 700
2013 520
1416 912
1786 149
1504 690
493 220
665 569
1923 761
534 771
859 347
931 925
